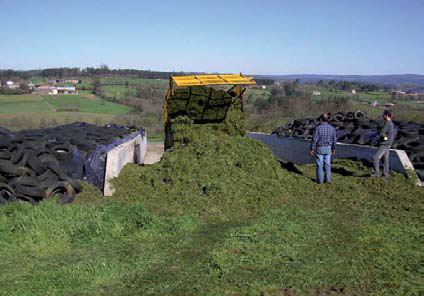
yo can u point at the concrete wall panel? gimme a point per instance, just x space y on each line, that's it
132 151
297 150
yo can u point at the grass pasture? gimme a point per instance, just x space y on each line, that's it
34 111
85 104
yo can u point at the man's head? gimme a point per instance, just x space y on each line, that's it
324 117
387 115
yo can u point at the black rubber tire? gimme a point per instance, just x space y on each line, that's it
4 131
360 114
47 157
408 133
339 117
24 181
7 167
5 144
36 165
31 145
2 200
338 124
49 182
415 146
17 153
62 152
64 188
3 179
6 191
55 168
299 132
350 115
5 155
36 192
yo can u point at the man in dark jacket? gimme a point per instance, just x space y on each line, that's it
387 137
322 146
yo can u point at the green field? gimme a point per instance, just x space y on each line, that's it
35 103
84 104
34 111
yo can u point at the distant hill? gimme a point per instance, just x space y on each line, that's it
395 79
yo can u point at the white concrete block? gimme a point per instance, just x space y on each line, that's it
132 151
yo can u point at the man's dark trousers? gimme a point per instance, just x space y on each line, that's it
383 150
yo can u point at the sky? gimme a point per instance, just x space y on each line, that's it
366 37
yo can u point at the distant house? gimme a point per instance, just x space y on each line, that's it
55 90
45 90
67 90
11 85
316 93
72 81
353 92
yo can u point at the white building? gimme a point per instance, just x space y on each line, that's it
67 90
55 90
316 93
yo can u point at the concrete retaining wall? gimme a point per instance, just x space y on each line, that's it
297 150
133 151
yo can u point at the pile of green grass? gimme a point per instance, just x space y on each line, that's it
219 215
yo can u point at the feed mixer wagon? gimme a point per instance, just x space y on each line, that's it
193 96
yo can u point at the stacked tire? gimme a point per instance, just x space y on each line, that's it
357 128
43 164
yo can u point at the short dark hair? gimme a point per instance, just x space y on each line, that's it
387 113
324 117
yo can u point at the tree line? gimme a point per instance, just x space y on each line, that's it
86 72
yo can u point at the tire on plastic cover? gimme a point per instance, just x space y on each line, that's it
34 192
36 165
62 152
57 169
359 114
24 181
6 192
64 189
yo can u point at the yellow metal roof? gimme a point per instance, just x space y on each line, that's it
212 79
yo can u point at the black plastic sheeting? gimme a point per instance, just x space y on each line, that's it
95 162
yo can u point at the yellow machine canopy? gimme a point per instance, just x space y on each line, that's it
212 79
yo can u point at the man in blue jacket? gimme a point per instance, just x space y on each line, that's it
387 137
323 145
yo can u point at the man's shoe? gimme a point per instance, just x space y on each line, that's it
375 176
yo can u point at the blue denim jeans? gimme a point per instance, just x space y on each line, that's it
323 158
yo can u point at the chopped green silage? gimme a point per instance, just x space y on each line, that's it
211 164
200 103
